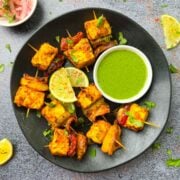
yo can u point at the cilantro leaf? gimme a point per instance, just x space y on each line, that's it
92 152
156 146
100 21
173 162
51 105
48 133
121 38
2 67
38 114
169 130
8 47
57 38
164 5
70 107
173 69
169 153
149 104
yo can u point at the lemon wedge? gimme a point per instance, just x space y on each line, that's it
6 151
171 28
77 77
60 86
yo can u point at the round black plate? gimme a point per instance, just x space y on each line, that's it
160 91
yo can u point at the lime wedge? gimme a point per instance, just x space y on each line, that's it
6 151
171 28
77 77
60 86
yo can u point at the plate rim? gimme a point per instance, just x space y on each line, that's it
152 39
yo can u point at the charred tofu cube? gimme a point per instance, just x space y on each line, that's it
81 145
60 143
44 56
97 28
55 113
81 54
110 142
35 83
98 131
88 96
29 98
99 108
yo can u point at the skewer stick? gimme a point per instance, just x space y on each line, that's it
121 145
151 124
73 130
94 14
33 48
104 118
27 112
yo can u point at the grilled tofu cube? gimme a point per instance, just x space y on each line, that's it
55 114
29 98
97 28
110 144
60 143
81 145
88 96
35 83
98 131
81 54
44 56
99 108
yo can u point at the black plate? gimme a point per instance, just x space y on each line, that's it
160 91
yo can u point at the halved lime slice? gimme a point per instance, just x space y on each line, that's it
6 151
60 86
77 77
171 28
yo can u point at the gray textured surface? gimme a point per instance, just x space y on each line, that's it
26 163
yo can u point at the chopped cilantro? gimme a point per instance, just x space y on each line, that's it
169 130
51 105
57 38
173 162
2 67
69 41
80 120
100 21
173 69
92 152
149 104
73 57
48 133
121 38
38 114
169 153
156 146
164 5
8 47
70 107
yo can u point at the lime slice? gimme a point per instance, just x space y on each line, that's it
77 77
171 28
6 151
60 86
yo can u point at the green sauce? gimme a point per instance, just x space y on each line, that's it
121 74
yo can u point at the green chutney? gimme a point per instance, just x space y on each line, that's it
122 74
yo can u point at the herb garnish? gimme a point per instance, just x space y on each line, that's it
156 146
73 57
173 69
80 120
149 104
69 41
57 38
164 5
121 38
172 162
100 21
51 105
38 114
8 47
92 152
48 133
2 67
70 107
169 130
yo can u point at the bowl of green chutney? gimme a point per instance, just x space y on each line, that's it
123 74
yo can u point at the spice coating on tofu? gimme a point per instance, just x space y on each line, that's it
98 131
97 28
44 56
60 143
35 83
29 98
81 145
55 114
88 96
81 54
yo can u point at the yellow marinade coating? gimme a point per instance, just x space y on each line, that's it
55 114
35 83
98 131
81 54
88 96
60 143
29 98
44 56
96 30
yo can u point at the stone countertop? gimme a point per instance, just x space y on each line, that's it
27 164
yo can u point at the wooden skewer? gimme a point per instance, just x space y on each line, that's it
32 47
73 130
120 144
104 118
151 124
27 112
94 14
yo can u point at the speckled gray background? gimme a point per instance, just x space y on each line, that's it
26 163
